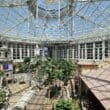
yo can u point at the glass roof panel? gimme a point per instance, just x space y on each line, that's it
58 19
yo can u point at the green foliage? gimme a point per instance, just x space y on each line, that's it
37 61
64 105
76 105
27 60
24 67
61 70
67 67
68 105
30 66
3 97
46 82
50 67
1 74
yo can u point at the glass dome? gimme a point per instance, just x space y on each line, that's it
54 5
17 20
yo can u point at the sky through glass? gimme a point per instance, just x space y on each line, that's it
16 19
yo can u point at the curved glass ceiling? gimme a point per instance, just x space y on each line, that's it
60 18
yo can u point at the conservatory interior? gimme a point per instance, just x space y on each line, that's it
54 54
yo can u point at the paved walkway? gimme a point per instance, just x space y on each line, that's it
17 92
39 101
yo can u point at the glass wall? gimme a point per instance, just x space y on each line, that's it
82 51
98 50
21 51
89 50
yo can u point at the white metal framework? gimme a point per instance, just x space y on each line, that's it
53 19
71 28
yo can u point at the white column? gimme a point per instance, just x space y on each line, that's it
85 51
2 54
37 50
1 67
67 53
94 50
23 51
79 51
28 52
103 49
43 53
62 53
73 53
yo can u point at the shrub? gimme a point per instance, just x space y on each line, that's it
64 105
27 60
